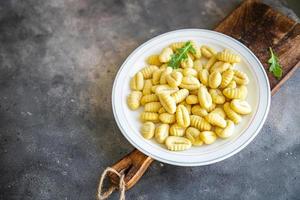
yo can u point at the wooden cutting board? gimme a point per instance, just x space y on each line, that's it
257 26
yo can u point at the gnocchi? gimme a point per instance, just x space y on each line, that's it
203 99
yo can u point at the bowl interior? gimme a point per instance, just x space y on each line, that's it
258 98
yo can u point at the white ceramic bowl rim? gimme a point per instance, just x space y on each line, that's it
255 126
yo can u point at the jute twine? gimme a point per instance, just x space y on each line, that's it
104 195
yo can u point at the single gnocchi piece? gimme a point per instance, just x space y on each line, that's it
154 60
163 76
219 111
187 63
156 76
203 76
148 71
167 102
193 135
149 98
204 97
216 120
167 118
192 99
236 118
220 67
165 55
214 80
236 93
190 83
207 51
176 45
189 72
197 110
174 79
182 116
176 130
208 137
133 100
217 96
188 107
137 82
197 52
240 106
148 130
197 65
227 56
147 87
210 62
157 89
180 95
199 123
227 77
152 107
175 143
227 131
149 116
240 77
161 133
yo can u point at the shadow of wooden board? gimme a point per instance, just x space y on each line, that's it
259 27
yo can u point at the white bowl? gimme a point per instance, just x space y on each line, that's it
258 97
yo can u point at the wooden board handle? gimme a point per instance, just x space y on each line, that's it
133 165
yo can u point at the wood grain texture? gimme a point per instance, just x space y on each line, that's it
259 27
133 165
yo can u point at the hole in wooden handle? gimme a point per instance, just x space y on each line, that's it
133 165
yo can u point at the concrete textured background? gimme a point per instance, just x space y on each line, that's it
58 60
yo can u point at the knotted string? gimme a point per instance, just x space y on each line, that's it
104 195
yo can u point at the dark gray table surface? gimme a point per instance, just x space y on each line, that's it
58 60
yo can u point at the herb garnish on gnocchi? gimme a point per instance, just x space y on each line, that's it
191 95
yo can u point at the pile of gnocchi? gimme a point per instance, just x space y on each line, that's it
201 100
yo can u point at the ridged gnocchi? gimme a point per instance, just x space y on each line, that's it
236 93
182 116
193 135
227 77
174 79
148 71
147 87
149 116
175 143
167 102
133 100
161 133
148 130
180 95
192 104
200 123
214 80
227 56
204 97
207 51
176 130
137 81
167 118
236 118
190 83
